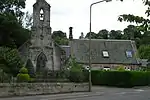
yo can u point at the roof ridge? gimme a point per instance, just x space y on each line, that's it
102 39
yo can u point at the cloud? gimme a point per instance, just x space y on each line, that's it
75 13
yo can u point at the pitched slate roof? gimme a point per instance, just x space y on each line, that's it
116 50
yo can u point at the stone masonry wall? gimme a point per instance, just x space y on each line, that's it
24 89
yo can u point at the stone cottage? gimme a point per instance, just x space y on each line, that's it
40 48
105 54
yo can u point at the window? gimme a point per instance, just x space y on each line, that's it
129 54
41 15
105 54
106 68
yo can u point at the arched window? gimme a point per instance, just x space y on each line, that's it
41 14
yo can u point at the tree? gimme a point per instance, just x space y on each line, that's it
115 34
145 39
12 34
12 6
28 20
103 34
60 38
143 24
10 58
144 52
93 35
131 32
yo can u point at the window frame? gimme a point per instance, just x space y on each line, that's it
104 54
129 54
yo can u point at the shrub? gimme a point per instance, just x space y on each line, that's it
77 73
140 78
11 58
23 70
120 78
23 75
4 77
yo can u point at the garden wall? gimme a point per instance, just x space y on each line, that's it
24 89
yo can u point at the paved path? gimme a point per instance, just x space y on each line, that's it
98 93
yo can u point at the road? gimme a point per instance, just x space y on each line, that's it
98 93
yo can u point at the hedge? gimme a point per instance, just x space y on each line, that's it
120 78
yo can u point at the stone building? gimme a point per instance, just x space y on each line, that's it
40 48
105 53
45 54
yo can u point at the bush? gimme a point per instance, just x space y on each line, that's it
4 77
140 78
23 70
23 76
10 57
120 78
77 73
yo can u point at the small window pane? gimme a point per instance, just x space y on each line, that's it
105 54
129 54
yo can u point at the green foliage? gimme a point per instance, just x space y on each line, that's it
11 59
121 68
143 25
140 78
11 31
120 78
23 78
115 34
144 52
4 77
30 68
23 70
12 6
77 72
103 34
93 35
60 38
23 75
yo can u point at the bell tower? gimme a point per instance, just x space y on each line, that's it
41 13
41 41
41 30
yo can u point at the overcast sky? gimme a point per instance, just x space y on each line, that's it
75 13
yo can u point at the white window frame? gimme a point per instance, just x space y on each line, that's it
105 54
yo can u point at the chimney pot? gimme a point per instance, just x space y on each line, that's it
70 33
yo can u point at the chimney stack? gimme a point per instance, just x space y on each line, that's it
70 33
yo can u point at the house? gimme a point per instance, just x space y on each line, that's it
105 53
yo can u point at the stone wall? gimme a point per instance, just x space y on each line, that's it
112 66
24 89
